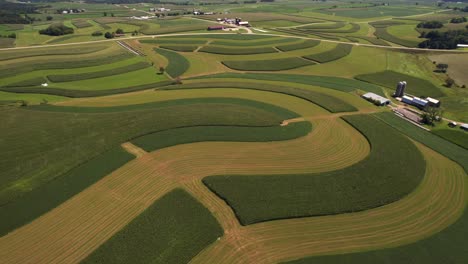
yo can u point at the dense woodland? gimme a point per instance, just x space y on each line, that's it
15 13
444 40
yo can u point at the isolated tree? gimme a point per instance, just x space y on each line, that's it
108 35
49 18
161 69
119 31
431 115
449 82
112 14
104 13
442 67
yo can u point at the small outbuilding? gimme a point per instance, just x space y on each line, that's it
375 98
433 102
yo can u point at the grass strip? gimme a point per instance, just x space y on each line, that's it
174 229
371 183
269 42
268 65
336 83
98 74
340 51
83 93
444 147
455 136
416 86
43 199
381 32
184 48
302 45
76 50
328 102
184 135
178 64
174 41
237 51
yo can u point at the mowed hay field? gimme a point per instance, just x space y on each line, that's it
164 134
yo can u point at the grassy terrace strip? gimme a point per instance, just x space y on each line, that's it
444 147
98 74
184 48
174 229
36 81
458 137
237 51
416 86
227 36
266 42
374 41
62 139
43 199
340 51
336 83
328 102
302 45
12 69
371 183
184 135
173 41
381 32
335 25
81 23
268 65
82 93
178 64
76 50
447 246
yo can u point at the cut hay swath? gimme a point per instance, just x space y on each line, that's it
268 65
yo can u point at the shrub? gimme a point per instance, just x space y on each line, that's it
108 35
430 24
57 30
96 33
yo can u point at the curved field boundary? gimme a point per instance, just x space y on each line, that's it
268 42
178 64
302 45
371 183
110 204
434 205
237 51
374 41
10 55
173 229
381 32
185 48
328 102
340 51
446 148
13 69
83 93
354 28
36 81
92 75
336 83
268 65
169 41
227 36
184 135
458 137
335 25
43 199
416 86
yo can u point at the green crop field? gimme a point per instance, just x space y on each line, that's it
263 198
268 65
302 45
163 233
177 143
458 137
237 51
416 86
340 51
177 64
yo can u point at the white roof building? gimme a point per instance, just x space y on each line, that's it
376 98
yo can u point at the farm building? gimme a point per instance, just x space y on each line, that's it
464 127
462 45
418 102
372 97
244 23
407 99
400 90
433 102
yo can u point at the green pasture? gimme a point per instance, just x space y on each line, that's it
184 135
30 98
454 135
268 65
444 147
48 196
415 86
177 64
371 183
330 103
174 229
59 131
340 51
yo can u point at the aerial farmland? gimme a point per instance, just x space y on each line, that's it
213 131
